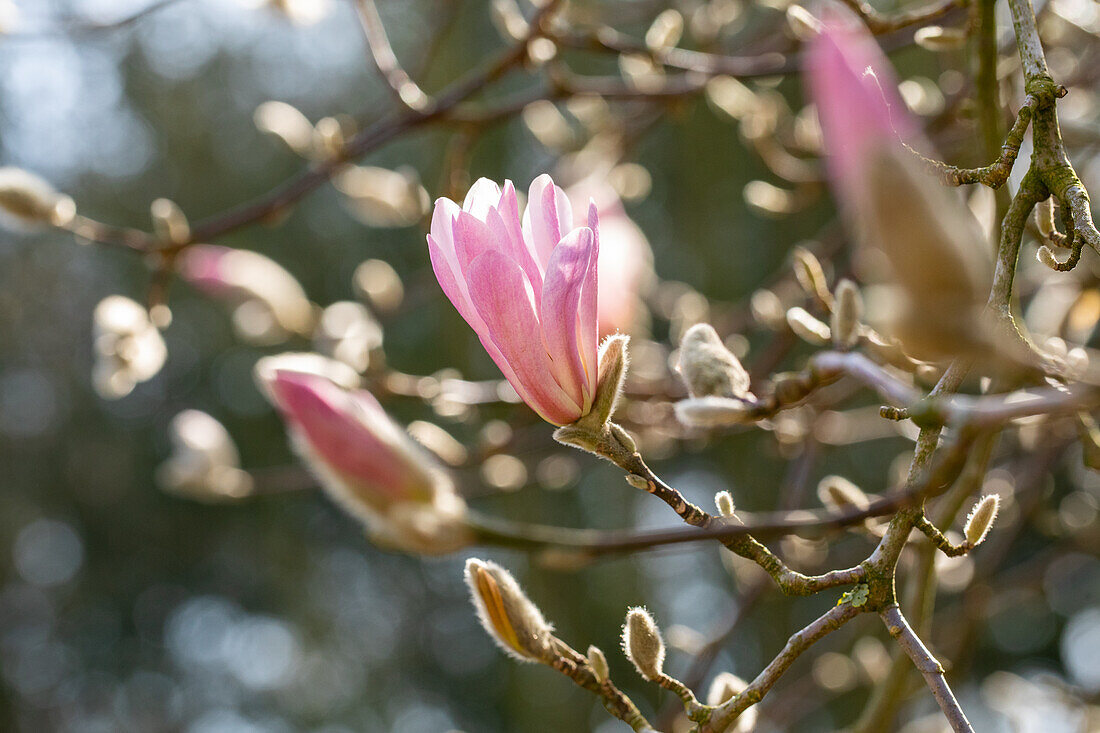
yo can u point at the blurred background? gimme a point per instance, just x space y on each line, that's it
126 608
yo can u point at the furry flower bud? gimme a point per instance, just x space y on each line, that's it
507 614
708 368
981 518
642 643
598 662
724 501
808 328
809 273
31 200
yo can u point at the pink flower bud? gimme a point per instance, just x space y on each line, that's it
855 91
528 288
369 464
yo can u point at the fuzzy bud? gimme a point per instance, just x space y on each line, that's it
724 501
725 687
507 614
666 31
809 273
808 328
642 643
169 223
847 313
1046 256
598 662
614 361
708 367
838 494
31 200
981 518
713 412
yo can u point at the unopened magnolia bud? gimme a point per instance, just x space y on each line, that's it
789 387
802 23
839 494
642 643
30 199
981 519
507 614
508 19
808 328
708 367
1044 217
938 38
1046 256
169 223
724 501
613 366
285 122
598 662
809 272
665 31
767 309
713 412
847 313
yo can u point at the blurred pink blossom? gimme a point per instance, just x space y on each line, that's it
528 288
855 91
367 463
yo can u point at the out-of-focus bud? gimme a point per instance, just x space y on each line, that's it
808 328
169 222
269 303
380 284
731 96
382 198
713 412
723 500
666 31
330 137
938 277
981 518
770 200
725 687
285 122
348 332
508 19
548 124
803 24
838 494
204 464
847 313
540 51
642 72
767 309
625 265
642 643
598 662
128 347
369 465
507 614
30 200
305 362
938 38
708 368
810 274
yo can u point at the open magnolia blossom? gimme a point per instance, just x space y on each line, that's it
128 347
368 464
528 288
929 288
204 464
270 304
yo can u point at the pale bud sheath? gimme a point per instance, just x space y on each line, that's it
981 518
708 368
128 347
507 614
371 467
528 288
642 643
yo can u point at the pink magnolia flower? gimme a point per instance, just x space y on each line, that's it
367 463
528 288
626 259
855 91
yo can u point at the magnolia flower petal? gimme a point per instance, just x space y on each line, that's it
505 220
481 197
548 217
472 237
500 296
588 334
566 274
442 216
